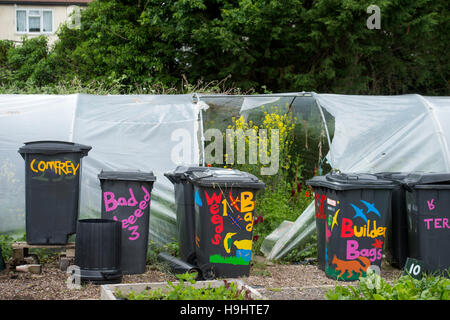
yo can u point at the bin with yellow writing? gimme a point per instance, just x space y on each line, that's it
52 189
225 203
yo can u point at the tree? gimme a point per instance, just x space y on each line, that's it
289 45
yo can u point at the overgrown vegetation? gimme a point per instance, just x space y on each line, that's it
184 290
285 196
293 45
6 241
374 287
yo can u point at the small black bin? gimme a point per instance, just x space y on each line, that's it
224 207
184 200
98 251
126 197
428 203
52 189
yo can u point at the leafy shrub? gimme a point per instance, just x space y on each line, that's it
374 287
183 290
285 196
22 60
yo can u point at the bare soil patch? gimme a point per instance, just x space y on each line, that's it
275 281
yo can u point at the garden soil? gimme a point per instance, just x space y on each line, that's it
274 281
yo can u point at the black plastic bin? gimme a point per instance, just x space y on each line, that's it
126 197
98 251
396 244
52 189
184 200
355 210
428 203
224 207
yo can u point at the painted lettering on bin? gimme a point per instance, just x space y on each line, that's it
434 222
111 203
359 229
232 220
320 206
56 166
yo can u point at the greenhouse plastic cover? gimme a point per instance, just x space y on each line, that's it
378 134
371 133
126 132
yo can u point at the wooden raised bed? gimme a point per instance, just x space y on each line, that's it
107 290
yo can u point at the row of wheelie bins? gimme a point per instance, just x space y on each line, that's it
214 214
361 218
106 248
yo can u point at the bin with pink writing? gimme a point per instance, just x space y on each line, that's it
126 197
428 203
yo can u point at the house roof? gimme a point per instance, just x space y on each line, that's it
49 2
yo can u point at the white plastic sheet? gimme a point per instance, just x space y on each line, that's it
378 134
389 133
131 132
372 134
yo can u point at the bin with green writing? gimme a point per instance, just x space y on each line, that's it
52 189
225 204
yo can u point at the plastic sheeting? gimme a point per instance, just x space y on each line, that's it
378 134
389 133
127 132
368 133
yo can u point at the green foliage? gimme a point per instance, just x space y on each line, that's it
5 46
309 250
6 242
184 290
171 248
285 196
374 287
262 45
27 61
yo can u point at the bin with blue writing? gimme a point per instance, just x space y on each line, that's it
427 204
126 197
225 204
52 189
355 209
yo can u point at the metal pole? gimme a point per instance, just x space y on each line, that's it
326 129
195 100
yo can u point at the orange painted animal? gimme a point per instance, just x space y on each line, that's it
353 266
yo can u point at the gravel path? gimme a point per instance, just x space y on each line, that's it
275 281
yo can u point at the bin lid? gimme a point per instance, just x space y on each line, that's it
127 175
225 178
53 147
351 181
180 173
427 180
396 176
